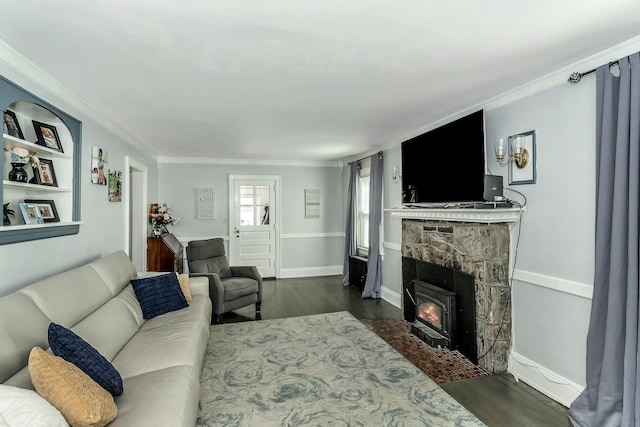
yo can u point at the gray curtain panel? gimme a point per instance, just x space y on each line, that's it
611 397
350 223
374 270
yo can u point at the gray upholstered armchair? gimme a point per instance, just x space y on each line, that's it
230 288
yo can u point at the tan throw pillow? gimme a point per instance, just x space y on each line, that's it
80 399
184 285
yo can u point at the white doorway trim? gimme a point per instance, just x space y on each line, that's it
275 218
135 224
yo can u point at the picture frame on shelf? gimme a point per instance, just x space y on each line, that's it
47 209
11 126
30 214
47 136
44 173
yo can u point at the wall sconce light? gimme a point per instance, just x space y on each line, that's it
519 154
396 174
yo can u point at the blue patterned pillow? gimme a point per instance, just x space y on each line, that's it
159 294
66 344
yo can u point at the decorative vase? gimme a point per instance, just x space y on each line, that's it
17 173
158 230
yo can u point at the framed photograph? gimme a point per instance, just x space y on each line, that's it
47 209
44 174
98 161
115 186
47 136
31 214
526 172
11 125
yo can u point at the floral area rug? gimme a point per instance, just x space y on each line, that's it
325 369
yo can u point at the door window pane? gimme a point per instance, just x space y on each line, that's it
254 204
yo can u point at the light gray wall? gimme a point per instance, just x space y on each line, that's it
101 231
557 234
557 238
179 181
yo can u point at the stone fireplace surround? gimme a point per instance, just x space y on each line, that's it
476 245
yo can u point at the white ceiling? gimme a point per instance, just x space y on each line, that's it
296 79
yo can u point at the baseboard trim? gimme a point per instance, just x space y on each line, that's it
329 270
392 297
544 380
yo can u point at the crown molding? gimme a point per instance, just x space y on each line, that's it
162 160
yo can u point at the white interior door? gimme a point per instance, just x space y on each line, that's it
253 213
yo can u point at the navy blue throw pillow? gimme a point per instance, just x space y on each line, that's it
159 294
72 348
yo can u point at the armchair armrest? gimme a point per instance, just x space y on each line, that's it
216 290
250 272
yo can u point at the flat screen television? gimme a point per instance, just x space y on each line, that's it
446 164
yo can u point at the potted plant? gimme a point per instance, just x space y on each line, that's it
5 214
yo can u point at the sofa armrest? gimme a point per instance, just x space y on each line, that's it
216 290
252 273
199 285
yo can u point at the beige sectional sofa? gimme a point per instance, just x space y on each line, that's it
160 359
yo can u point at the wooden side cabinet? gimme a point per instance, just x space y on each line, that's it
357 271
165 254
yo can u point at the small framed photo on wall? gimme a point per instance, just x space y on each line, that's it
522 149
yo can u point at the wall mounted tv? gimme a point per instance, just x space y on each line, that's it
446 164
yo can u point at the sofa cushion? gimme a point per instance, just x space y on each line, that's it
236 287
173 339
74 349
69 297
159 294
18 309
20 407
163 398
80 399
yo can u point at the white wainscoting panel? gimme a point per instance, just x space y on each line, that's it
557 284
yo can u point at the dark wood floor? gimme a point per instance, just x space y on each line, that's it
498 400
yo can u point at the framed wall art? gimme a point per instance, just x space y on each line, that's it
205 202
47 136
98 161
312 203
522 149
47 209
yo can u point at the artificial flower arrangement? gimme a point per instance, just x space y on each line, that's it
159 218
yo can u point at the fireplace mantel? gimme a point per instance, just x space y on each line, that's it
485 216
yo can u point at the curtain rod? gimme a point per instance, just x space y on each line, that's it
379 153
575 77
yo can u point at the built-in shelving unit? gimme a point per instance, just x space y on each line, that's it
27 108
